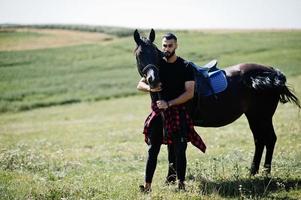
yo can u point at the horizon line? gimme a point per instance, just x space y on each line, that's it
159 28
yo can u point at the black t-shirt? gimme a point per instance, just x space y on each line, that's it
173 77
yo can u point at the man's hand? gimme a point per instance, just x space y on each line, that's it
162 104
143 86
186 96
157 89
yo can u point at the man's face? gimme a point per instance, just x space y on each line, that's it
169 47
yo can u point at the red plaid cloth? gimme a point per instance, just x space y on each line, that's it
172 125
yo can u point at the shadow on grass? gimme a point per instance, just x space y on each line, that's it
252 187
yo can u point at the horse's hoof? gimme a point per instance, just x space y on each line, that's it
253 172
144 189
267 170
181 186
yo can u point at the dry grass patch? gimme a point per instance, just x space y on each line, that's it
27 39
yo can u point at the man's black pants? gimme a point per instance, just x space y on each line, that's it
176 153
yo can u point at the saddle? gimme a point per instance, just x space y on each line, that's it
209 80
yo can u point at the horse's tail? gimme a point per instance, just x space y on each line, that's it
272 80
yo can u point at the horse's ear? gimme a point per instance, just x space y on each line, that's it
152 35
137 37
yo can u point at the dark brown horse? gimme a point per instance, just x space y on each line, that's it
253 90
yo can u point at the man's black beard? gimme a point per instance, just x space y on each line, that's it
167 56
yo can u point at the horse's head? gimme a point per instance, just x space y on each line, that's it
148 56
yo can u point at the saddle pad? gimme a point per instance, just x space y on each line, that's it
218 82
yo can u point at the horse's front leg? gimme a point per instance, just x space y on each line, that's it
257 129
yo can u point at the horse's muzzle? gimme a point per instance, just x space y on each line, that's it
151 73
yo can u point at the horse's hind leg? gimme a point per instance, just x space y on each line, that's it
264 136
270 144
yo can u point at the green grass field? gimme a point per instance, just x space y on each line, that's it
53 149
92 71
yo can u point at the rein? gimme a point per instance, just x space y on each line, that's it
165 134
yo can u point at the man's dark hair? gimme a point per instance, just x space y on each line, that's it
170 36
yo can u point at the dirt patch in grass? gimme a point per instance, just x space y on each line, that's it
27 39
